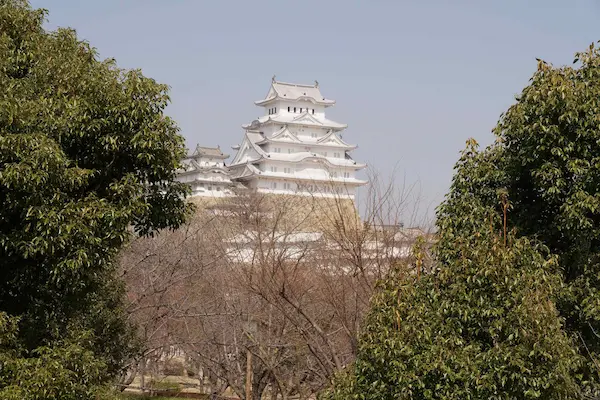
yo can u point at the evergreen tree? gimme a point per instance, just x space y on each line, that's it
482 326
547 160
86 153
515 320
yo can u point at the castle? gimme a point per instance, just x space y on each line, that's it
292 149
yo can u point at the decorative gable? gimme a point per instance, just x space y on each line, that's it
245 153
334 140
285 135
307 118
272 93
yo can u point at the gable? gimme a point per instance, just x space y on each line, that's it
307 118
272 93
245 153
285 135
333 140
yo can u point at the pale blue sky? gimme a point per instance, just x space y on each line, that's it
412 79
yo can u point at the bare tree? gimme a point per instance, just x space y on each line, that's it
266 290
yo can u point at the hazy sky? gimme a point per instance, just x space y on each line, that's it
412 79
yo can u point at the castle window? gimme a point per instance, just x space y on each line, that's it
346 174
288 109
287 170
274 185
300 109
273 169
294 109
313 110
286 185
274 110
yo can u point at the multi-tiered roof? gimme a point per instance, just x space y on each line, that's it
294 148
205 171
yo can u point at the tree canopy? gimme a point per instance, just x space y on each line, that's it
514 314
86 156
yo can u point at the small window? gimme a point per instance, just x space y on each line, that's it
273 169
301 110
274 185
286 185
287 170
294 109
274 110
288 109
290 151
313 111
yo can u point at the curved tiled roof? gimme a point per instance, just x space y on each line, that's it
214 152
294 92
291 119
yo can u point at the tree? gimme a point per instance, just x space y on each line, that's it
545 161
284 281
85 153
482 327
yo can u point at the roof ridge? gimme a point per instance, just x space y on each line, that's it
296 84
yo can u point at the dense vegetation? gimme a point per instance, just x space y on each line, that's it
513 311
85 153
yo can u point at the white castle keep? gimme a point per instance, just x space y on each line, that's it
292 149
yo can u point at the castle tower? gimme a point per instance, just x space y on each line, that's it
205 171
294 149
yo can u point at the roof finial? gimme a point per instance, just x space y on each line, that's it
273 79
316 83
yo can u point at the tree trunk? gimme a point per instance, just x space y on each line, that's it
248 375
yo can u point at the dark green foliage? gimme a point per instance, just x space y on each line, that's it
86 153
65 370
481 327
547 160
500 320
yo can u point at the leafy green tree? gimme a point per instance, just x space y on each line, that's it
547 159
86 157
483 326
504 320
